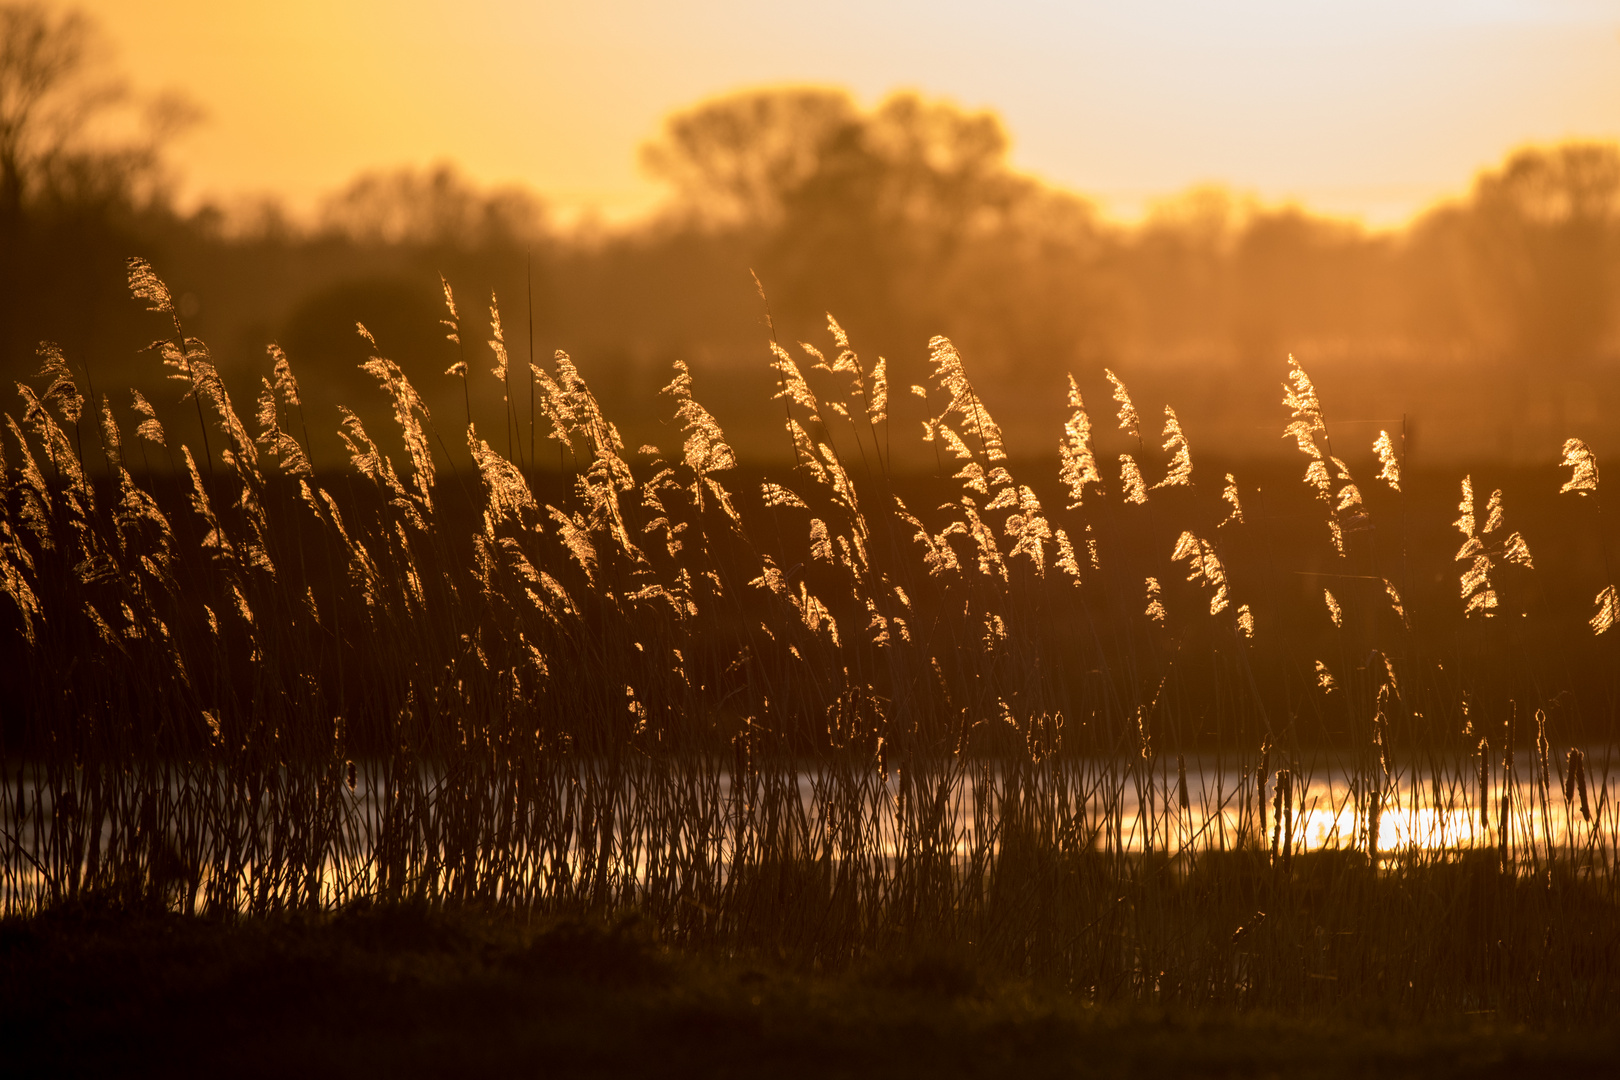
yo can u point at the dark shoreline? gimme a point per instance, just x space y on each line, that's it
405 990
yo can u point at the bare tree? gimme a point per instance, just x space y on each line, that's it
43 101
55 90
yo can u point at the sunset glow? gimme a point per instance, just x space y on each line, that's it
793 539
1367 110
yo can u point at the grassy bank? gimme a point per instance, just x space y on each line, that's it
404 991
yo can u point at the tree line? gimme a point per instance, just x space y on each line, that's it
905 220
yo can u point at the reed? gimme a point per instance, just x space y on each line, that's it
796 716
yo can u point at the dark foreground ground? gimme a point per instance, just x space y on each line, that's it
404 992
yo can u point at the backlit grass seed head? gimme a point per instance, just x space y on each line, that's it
374 465
575 536
777 495
805 453
1608 610
1300 398
1335 612
972 470
1066 561
34 496
554 403
1029 530
991 563
77 494
1391 683
144 284
705 449
995 634
497 344
276 442
947 368
1324 679
793 388
937 554
975 420
819 362
1179 473
453 323
507 491
1230 495
820 546
877 402
112 439
1349 500
1583 463
1517 552
1303 432
1245 622
62 389
1129 422
214 537
1203 567
840 338
877 627
1078 464
1155 605
15 585
1389 463
1317 476
193 366
815 614
1479 597
1465 521
410 413
149 428
770 578
286 384
1395 603
1493 512
1130 481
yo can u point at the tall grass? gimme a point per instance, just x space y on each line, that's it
805 719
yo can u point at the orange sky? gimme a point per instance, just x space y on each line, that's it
1371 109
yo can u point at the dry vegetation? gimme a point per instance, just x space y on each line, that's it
804 720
